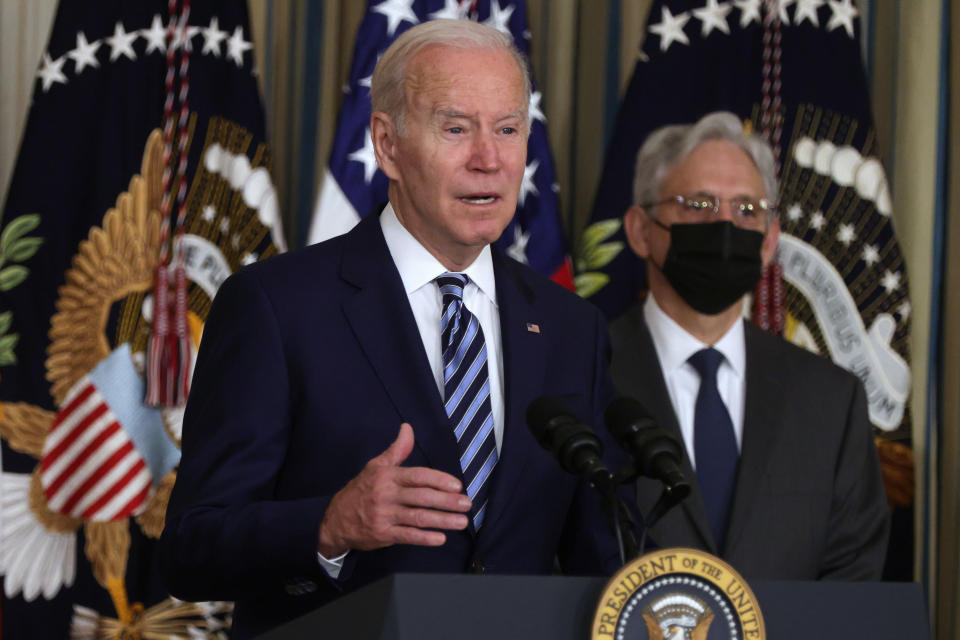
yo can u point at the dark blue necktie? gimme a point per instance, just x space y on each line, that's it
714 445
466 391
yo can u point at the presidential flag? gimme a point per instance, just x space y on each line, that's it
353 186
142 112
793 71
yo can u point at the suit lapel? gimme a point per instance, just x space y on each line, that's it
523 353
380 317
762 426
637 362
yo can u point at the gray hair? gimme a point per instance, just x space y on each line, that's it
390 74
668 146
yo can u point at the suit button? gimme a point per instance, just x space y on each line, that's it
477 566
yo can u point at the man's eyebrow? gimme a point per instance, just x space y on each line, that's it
518 114
453 113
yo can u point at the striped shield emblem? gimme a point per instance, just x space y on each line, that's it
105 450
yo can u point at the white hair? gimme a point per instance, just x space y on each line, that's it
390 74
668 146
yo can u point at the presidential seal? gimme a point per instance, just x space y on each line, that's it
677 594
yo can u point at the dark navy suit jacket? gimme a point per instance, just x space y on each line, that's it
309 363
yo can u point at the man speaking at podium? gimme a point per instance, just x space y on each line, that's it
778 440
358 406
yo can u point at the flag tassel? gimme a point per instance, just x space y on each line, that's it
168 361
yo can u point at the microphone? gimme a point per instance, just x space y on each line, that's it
575 444
656 453
578 448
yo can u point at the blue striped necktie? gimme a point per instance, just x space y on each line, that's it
714 445
466 391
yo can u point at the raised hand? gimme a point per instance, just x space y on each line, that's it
387 504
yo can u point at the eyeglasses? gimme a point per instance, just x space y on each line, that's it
748 213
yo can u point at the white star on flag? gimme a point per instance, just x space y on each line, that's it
396 11
713 16
212 37
749 11
209 213
533 109
904 310
817 221
518 250
795 212
156 36
807 10
85 55
365 155
843 14
846 234
236 45
890 281
871 255
499 18
527 185
51 72
224 225
670 28
121 43
452 10
249 258
782 10
188 33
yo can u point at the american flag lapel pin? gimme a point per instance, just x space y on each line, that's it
533 327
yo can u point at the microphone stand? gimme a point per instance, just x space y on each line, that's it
667 500
618 515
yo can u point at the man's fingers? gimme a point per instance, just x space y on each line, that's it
431 519
398 451
426 477
419 537
433 499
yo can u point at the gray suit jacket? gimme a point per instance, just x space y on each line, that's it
809 499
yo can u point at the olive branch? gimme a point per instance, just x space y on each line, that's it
15 247
595 254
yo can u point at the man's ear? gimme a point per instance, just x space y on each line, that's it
635 223
769 247
383 132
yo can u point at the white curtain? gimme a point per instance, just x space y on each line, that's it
24 29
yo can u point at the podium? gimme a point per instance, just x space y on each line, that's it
468 607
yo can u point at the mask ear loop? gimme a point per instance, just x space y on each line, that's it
665 228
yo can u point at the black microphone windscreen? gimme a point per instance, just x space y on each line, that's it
623 412
542 411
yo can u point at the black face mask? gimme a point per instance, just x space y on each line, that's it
711 265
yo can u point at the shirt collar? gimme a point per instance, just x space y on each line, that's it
418 267
675 345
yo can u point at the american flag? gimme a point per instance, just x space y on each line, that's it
353 186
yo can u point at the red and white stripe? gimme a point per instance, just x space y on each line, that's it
90 468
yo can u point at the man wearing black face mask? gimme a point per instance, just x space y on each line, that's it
778 439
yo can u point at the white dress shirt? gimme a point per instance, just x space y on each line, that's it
674 346
418 269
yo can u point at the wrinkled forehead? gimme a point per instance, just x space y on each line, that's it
442 70
715 161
